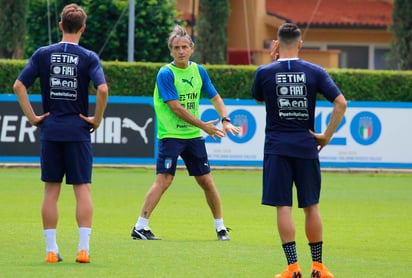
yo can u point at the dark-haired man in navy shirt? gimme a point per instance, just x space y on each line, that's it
65 70
288 87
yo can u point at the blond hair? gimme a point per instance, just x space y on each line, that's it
179 33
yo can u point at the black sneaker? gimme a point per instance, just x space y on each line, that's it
143 234
223 234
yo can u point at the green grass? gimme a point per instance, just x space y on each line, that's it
367 230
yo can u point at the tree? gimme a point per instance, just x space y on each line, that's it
42 23
402 28
154 21
211 42
107 27
12 26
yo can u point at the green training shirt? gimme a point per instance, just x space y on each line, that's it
188 83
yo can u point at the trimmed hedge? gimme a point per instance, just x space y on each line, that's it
366 85
235 82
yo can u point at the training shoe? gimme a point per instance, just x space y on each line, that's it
83 257
223 234
319 270
145 234
53 257
293 271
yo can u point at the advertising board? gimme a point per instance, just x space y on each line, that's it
371 135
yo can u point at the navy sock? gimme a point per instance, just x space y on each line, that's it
290 252
316 251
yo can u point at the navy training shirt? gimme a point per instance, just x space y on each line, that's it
65 71
289 88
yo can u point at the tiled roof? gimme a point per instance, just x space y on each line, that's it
333 13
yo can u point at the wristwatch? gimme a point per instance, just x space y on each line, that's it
226 119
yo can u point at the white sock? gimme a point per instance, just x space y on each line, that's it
142 223
84 238
50 236
219 224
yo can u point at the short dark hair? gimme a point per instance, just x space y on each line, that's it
288 33
73 17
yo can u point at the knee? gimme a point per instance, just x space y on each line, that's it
311 210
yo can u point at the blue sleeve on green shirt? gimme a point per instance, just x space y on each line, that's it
167 90
165 84
208 90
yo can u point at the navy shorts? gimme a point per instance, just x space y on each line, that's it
279 175
192 151
73 159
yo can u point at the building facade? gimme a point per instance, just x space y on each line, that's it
336 33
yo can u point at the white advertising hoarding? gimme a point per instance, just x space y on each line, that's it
371 135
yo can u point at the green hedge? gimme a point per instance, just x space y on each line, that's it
235 82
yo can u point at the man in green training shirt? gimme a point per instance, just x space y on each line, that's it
178 88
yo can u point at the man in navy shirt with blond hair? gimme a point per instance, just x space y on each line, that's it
288 87
65 70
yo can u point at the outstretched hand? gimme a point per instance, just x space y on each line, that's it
228 127
214 131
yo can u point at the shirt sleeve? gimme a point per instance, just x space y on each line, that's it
328 87
208 89
166 85
96 72
31 71
256 87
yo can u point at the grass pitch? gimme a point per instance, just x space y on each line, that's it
367 230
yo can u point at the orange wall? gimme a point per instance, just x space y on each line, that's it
261 26
186 6
249 26
324 58
348 36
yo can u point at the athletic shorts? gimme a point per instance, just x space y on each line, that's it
192 151
279 175
70 159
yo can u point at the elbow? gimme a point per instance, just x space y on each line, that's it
344 105
341 103
103 90
17 86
